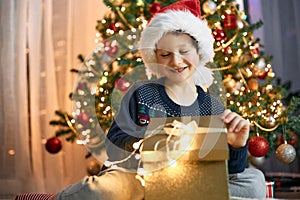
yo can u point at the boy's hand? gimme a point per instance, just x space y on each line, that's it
238 128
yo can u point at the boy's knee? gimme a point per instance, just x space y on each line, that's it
258 186
250 183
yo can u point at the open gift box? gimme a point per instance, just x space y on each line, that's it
185 159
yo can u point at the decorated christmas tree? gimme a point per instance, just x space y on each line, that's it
245 83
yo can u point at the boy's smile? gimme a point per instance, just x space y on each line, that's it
177 55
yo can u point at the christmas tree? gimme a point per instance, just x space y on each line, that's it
244 72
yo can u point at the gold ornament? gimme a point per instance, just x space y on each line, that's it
286 153
252 84
234 59
209 7
229 83
269 121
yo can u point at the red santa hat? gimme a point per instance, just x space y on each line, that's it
183 16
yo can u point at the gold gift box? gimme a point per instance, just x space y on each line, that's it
186 166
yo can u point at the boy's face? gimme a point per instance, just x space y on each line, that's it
177 55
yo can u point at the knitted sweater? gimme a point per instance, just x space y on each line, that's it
148 99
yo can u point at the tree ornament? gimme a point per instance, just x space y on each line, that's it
261 64
262 75
154 8
258 146
209 7
122 84
254 51
256 161
219 35
286 153
53 145
112 50
81 86
83 118
253 84
93 168
261 70
113 26
227 50
230 21
291 138
269 121
229 83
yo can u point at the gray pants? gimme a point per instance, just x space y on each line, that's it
117 185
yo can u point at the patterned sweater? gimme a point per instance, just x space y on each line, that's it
148 99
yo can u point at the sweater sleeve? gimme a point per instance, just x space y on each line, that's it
124 130
237 159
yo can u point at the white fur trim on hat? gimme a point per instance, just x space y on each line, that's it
186 22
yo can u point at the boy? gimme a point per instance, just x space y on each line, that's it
175 47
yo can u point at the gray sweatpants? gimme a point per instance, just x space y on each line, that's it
117 185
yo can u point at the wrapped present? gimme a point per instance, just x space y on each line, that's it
270 189
185 158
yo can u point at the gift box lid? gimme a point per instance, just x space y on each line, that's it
199 138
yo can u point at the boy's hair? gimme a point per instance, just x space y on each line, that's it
184 17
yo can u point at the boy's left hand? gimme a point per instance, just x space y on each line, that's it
238 128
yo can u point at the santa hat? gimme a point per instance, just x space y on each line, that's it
183 16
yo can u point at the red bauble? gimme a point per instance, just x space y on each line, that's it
227 50
255 52
112 50
154 8
83 118
263 74
113 27
230 21
122 84
219 35
53 145
81 86
258 146
291 138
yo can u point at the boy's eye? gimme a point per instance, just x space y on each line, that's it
165 54
183 52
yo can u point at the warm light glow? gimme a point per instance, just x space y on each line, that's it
78 104
137 145
11 152
121 32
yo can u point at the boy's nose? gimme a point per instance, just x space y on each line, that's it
177 60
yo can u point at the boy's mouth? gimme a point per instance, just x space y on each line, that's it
179 70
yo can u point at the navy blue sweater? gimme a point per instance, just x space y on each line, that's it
148 99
